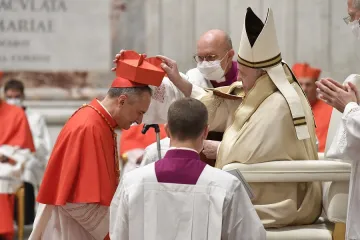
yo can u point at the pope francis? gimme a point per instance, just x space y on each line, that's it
265 116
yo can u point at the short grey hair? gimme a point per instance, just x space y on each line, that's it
229 41
356 4
131 91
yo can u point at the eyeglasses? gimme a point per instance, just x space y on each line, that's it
347 19
209 58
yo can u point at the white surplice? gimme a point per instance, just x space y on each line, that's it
167 93
80 221
151 153
10 175
35 167
217 207
345 146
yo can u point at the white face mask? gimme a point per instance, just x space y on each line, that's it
15 101
355 28
212 70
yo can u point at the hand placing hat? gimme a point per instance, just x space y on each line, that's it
117 58
167 64
335 94
135 70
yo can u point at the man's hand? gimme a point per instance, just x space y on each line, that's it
4 159
210 148
336 95
117 58
171 69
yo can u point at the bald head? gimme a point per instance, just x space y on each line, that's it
215 39
215 45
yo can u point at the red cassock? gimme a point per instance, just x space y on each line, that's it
14 131
82 167
133 138
322 114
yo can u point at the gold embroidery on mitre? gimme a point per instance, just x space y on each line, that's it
299 121
261 64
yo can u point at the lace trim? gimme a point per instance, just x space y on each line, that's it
159 94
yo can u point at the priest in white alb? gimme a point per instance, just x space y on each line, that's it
180 197
345 98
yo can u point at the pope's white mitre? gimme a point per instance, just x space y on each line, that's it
258 45
259 48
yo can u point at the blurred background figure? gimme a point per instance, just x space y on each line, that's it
307 76
14 93
16 148
133 144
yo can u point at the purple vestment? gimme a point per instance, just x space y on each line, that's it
179 166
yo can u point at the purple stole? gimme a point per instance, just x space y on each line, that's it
179 166
230 77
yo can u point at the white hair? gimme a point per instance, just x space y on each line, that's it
356 4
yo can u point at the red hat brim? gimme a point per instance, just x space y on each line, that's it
120 82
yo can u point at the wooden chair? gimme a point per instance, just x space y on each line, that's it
20 196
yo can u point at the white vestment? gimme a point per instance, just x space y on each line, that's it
217 207
151 152
72 221
10 175
345 146
35 167
167 93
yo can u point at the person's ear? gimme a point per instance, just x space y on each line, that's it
206 132
121 100
166 127
231 54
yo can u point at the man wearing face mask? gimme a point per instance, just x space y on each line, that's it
214 54
83 170
215 68
34 169
267 118
346 142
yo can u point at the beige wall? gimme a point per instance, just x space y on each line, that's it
307 30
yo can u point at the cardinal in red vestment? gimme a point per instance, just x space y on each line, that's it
307 76
14 133
83 171
133 144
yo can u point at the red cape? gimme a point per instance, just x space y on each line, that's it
133 138
14 127
81 168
